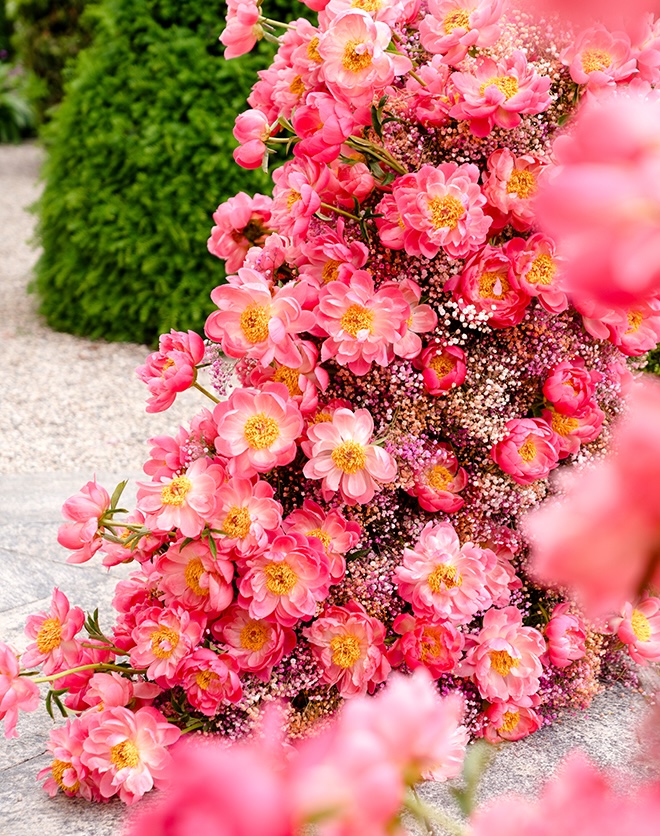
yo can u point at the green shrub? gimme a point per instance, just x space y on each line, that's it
5 33
139 157
16 114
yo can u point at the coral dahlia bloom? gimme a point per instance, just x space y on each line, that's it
163 638
510 185
538 270
55 646
243 29
344 457
240 223
83 512
572 431
434 645
443 368
210 680
16 692
127 751
246 514
599 58
422 319
638 627
67 771
349 646
193 577
570 387
171 369
439 481
508 721
454 26
566 636
528 451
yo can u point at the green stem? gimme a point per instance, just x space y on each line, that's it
101 667
418 78
425 813
205 392
427 824
339 211
199 724
276 23
103 646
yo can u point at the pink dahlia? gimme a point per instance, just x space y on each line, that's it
362 324
287 581
171 369
566 636
195 578
442 579
528 451
455 26
246 515
439 481
297 195
126 751
538 270
252 132
435 645
243 28
163 639
504 659
508 721
16 692
256 644
510 185
344 456
422 319
638 628
303 382
55 646
67 772
240 223
83 512
573 431
443 368
257 430
570 387
497 94
349 647
599 58
210 681
331 257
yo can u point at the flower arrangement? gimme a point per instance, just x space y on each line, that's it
400 361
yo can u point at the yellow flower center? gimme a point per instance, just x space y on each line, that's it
166 365
323 536
321 418
293 197
289 377
527 451
438 477
254 323
595 59
49 636
357 319
176 491
261 431
254 635
443 577
237 522
509 721
635 319
641 626
280 578
164 642
194 571
367 5
204 679
542 271
125 754
445 211
563 425
522 183
297 86
501 662
431 646
454 20
506 83
349 456
355 61
493 286
330 271
313 51
442 365
58 768
345 651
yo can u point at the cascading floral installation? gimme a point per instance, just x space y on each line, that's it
396 370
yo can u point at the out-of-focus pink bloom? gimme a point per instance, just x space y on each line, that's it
566 636
508 721
349 647
585 12
67 772
638 628
83 512
163 638
252 131
489 283
573 431
210 680
442 579
443 368
510 185
634 330
570 387
126 751
646 47
246 515
186 501
243 29
257 430
425 643
497 94
296 195
171 369
454 26
538 270
337 534
599 57
355 63
55 646
240 223
16 692
194 578
504 659
344 456
528 451
256 644
362 324
439 481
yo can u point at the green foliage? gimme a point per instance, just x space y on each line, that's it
653 366
16 114
47 35
140 154
5 32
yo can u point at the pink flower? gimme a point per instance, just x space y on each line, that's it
330 257
193 577
171 369
348 646
297 193
186 501
355 63
55 646
127 751
240 223
454 26
538 270
362 324
345 458
528 451
67 771
243 29
489 283
252 131
287 581
439 481
496 94
508 721
108 690
504 660
257 430
16 692
337 534
566 636
434 645
246 514
163 639
83 512
251 321
570 387
324 124
510 185
210 681
422 319
574 431
256 645
638 628
599 57
442 579
443 368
